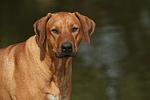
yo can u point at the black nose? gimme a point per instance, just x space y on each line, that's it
66 48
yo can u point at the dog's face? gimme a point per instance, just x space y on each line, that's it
63 32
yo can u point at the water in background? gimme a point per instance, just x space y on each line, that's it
116 65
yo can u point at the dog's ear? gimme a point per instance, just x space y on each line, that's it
40 29
88 26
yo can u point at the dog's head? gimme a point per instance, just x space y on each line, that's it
63 32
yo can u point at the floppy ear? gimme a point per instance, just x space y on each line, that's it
88 26
40 29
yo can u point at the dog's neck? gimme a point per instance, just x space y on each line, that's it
61 69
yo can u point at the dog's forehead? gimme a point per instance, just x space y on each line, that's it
64 17
62 14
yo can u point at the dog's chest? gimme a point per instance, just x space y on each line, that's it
50 97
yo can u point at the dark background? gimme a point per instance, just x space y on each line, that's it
116 66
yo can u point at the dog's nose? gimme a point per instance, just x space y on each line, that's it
67 50
66 47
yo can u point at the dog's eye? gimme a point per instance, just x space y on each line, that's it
55 31
74 29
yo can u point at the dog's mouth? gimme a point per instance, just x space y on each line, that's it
61 55
66 50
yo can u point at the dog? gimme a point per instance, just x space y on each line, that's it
41 67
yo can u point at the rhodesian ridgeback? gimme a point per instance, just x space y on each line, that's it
41 67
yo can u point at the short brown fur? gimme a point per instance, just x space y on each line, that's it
32 71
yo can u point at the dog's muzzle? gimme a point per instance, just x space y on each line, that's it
66 50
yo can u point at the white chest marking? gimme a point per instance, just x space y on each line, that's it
50 97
